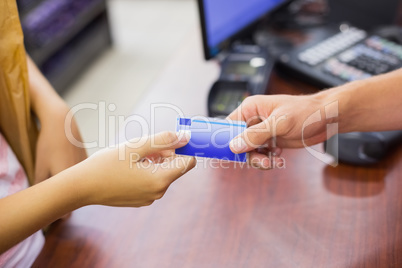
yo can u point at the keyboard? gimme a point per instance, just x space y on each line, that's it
331 46
345 56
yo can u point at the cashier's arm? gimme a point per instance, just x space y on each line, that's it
282 121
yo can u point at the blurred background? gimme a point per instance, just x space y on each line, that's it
111 52
97 50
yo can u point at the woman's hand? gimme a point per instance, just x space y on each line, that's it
122 176
279 121
134 174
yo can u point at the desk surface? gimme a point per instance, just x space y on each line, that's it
306 215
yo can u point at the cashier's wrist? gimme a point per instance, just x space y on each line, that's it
339 106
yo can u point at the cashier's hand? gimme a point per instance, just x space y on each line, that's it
137 173
276 122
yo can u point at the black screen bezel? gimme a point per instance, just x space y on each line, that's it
230 39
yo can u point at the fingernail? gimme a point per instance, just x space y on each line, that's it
265 163
238 144
277 151
183 135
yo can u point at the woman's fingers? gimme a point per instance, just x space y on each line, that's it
151 145
178 166
169 170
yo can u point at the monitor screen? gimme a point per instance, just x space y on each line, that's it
221 19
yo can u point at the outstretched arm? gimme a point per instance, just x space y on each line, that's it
106 178
283 121
373 104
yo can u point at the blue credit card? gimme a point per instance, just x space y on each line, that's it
210 137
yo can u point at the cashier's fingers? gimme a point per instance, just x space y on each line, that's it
246 113
236 115
252 138
263 161
272 151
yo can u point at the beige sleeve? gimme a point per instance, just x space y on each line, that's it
16 121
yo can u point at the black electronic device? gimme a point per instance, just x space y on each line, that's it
248 63
224 21
226 96
363 148
245 71
336 55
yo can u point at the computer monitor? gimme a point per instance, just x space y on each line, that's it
222 20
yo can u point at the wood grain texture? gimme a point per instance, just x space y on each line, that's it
305 215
